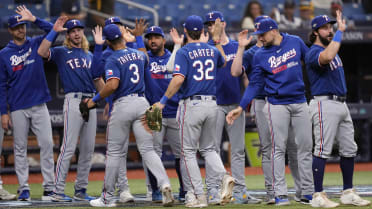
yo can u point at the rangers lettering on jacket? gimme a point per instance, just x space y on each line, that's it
276 61
155 68
16 60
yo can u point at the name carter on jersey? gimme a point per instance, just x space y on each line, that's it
201 53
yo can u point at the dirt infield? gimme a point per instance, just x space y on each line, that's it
139 174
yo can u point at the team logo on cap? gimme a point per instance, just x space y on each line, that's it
257 25
325 17
112 19
210 14
152 28
74 21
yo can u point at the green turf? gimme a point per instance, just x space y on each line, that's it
253 182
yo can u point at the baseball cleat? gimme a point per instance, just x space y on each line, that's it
350 197
320 200
24 195
167 197
228 183
126 196
99 202
47 196
282 200
5 195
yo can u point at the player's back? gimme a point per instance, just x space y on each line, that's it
198 63
128 66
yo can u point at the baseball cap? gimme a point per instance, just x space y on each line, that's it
71 24
212 16
111 32
321 20
13 21
113 20
265 25
154 30
194 23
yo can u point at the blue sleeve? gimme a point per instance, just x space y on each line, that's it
55 54
3 88
312 59
220 59
44 25
255 85
180 64
304 49
112 70
96 69
247 62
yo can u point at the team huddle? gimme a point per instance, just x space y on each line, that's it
198 88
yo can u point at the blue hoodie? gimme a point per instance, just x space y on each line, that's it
22 79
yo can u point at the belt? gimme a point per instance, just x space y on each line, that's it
135 95
260 97
80 95
202 97
331 97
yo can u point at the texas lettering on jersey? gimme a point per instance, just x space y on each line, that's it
17 60
79 63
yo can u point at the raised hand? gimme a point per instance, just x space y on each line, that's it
242 38
217 30
341 23
128 37
177 39
97 34
140 28
58 25
25 13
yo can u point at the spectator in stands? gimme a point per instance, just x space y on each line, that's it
306 13
252 10
106 7
287 19
71 9
337 5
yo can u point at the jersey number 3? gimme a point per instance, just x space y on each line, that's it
136 77
203 70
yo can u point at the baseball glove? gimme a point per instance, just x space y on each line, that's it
84 109
152 120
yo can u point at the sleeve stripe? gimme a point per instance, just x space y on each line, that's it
176 74
320 65
113 77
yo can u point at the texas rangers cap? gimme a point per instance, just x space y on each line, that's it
321 20
212 16
265 25
71 24
111 32
154 30
193 23
13 21
113 20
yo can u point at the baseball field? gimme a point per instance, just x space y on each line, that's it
332 182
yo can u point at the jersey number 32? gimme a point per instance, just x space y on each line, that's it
203 70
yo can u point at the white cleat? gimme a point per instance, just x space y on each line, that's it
126 196
5 195
167 196
191 201
228 183
350 197
101 203
320 200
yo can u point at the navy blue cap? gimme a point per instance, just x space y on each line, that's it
13 21
113 20
193 23
265 25
71 24
212 16
258 19
321 20
154 30
111 32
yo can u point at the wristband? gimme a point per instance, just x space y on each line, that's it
96 98
164 100
337 37
107 100
52 35
139 41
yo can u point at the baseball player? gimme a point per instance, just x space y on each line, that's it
194 75
160 77
241 63
329 112
24 92
4 195
122 184
277 69
74 63
125 80
228 93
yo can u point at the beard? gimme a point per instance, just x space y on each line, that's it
324 40
156 50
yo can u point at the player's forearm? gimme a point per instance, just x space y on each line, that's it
237 65
219 47
99 84
330 52
109 88
174 86
170 64
47 42
43 24
97 63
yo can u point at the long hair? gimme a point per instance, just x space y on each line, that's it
312 37
84 43
247 11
